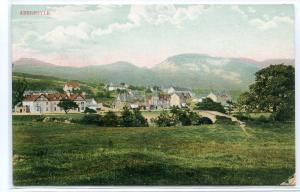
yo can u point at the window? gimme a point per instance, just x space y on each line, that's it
46 108
54 108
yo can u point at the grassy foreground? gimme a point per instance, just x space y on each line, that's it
70 154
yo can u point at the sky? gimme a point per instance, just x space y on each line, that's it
145 35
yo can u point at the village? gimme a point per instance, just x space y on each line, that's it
155 98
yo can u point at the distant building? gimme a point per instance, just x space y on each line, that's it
31 92
48 103
71 86
158 101
179 99
19 108
172 90
92 104
114 87
220 97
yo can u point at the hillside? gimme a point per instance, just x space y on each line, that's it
185 70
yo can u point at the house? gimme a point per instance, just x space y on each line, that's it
179 99
47 103
172 90
31 92
164 100
157 101
114 87
132 98
92 104
19 108
71 86
221 97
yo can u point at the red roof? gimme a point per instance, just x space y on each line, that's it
31 97
73 84
54 97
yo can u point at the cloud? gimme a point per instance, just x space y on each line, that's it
251 10
270 23
238 10
161 14
112 28
76 36
62 36
73 12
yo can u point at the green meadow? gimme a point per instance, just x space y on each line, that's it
56 153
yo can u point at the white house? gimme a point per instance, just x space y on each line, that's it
71 86
114 87
92 104
47 103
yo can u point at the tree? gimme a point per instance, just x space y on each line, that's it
18 89
126 117
139 119
164 120
67 105
209 104
230 106
273 91
110 119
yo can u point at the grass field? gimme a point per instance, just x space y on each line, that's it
71 154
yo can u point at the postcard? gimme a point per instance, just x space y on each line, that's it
153 95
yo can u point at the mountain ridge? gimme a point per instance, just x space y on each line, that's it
185 70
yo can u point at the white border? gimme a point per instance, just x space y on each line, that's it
5 98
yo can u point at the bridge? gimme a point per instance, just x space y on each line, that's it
212 115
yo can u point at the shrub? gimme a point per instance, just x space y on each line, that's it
224 120
209 104
243 116
91 119
110 119
164 120
284 113
184 117
133 118
262 119
127 117
88 110
139 119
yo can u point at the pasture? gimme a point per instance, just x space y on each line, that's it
72 154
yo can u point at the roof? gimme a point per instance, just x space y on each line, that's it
31 97
72 84
126 97
221 94
53 97
180 89
183 95
164 96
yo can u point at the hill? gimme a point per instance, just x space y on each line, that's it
185 70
